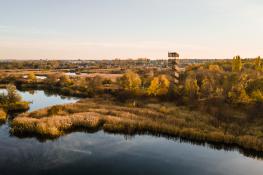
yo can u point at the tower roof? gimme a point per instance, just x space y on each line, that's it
173 54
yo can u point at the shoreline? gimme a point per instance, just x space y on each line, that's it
92 114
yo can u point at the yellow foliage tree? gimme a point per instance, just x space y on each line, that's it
207 87
258 64
159 86
238 95
191 87
32 76
257 95
130 81
236 64
12 94
214 68
64 80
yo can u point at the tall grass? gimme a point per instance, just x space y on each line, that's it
166 118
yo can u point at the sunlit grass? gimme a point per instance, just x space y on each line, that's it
154 118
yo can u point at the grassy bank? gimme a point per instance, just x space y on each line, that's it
11 101
150 117
18 106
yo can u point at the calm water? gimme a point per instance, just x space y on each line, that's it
102 153
74 74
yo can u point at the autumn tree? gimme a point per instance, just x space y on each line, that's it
257 95
258 64
214 68
236 64
255 85
64 80
207 87
94 84
191 87
12 94
159 86
32 76
238 92
130 81
238 95
52 78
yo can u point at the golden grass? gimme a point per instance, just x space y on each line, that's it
152 118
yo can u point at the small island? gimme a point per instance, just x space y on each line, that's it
11 102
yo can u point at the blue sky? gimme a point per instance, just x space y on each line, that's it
104 29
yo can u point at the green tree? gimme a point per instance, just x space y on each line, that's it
236 64
130 81
159 86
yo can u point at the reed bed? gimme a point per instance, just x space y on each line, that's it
95 114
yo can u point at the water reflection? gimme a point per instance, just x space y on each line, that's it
41 99
101 153
97 152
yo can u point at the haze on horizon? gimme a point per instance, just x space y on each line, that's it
107 29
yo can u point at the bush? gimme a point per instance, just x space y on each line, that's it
12 94
18 106
257 96
55 110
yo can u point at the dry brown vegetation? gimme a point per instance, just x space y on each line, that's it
154 118
112 77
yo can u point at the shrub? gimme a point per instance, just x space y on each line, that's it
18 106
12 94
257 96
54 110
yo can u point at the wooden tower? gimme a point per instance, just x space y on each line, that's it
173 63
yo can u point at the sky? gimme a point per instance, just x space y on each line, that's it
108 29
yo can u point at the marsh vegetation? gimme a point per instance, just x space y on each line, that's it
59 133
217 101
